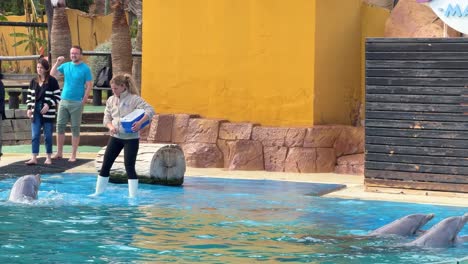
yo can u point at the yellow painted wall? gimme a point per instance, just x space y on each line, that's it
338 61
241 60
373 25
272 62
89 31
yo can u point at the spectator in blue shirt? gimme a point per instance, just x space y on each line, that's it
76 89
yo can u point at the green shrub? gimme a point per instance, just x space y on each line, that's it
98 62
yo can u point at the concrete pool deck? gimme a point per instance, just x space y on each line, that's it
355 188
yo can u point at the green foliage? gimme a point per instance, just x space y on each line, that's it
134 28
16 7
33 40
29 39
7 66
38 7
82 5
12 7
98 62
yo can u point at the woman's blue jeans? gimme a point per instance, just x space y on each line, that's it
36 126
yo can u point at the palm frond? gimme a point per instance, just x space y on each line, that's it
135 7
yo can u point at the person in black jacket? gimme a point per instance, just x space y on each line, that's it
2 112
42 101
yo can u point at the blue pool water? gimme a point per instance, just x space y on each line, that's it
206 221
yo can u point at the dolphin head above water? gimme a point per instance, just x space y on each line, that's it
443 234
405 226
25 188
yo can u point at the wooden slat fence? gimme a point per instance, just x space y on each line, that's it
417 114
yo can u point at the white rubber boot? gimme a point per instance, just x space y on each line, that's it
101 184
132 188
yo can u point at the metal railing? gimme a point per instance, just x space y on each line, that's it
21 81
85 52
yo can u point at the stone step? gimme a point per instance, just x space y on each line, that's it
92 118
90 128
87 139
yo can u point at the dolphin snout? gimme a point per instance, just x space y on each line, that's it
430 216
38 178
465 217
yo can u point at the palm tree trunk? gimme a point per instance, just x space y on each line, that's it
98 8
50 17
121 43
28 14
60 37
136 68
135 7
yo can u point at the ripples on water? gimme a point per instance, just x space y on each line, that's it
206 221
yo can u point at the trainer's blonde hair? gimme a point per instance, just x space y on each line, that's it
126 80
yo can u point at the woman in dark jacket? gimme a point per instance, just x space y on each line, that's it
42 100
2 112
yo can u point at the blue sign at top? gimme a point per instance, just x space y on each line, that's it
454 13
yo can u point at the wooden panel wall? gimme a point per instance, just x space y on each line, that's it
417 114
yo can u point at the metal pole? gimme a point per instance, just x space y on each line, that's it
23 24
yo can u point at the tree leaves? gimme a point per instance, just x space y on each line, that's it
28 40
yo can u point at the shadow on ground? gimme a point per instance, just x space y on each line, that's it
19 168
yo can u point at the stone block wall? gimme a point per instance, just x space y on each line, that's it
212 143
16 128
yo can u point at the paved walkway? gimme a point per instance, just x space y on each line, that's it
355 188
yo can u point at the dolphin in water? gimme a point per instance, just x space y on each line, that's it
406 226
25 188
443 234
